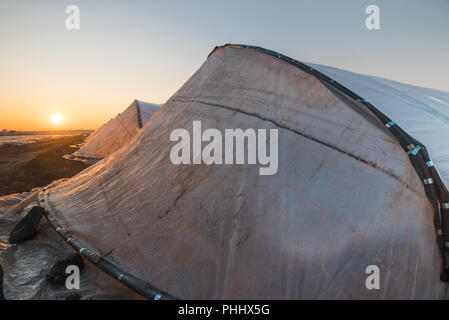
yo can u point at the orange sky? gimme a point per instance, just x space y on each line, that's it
146 50
30 104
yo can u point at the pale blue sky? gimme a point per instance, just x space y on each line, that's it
147 49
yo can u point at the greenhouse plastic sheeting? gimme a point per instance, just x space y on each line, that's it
116 132
345 196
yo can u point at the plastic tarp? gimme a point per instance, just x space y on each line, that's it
26 265
422 112
116 132
345 196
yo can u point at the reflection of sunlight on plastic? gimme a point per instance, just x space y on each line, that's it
56 118
20 140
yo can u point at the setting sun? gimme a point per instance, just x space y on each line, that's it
56 118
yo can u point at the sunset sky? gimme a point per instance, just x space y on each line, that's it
146 50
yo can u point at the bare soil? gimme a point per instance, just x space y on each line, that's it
24 167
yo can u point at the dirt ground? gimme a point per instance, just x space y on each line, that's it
27 166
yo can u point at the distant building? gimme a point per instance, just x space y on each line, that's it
4 131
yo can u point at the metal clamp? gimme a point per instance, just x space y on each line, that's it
414 151
390 124
444 205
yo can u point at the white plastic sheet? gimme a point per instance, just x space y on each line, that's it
345 196
421 112
117 132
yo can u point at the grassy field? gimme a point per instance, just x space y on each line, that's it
27 166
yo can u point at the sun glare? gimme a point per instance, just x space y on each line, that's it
56 118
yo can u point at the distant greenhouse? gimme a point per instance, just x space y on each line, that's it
117 132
